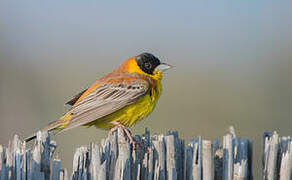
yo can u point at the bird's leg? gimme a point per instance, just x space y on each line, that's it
124 129
112 130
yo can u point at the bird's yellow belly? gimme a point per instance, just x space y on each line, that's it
130 114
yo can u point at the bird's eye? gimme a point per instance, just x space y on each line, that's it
148 65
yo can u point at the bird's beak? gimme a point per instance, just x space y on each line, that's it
164 67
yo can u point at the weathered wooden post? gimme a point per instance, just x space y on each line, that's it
166 157
277 157
156 157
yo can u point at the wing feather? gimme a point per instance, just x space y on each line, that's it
75 98
112 95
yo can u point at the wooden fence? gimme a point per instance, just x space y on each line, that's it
156 157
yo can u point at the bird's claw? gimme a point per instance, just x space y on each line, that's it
125 131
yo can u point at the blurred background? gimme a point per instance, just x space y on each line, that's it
233 65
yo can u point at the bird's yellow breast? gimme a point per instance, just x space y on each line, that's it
132 113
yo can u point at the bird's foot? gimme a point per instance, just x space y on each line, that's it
125 131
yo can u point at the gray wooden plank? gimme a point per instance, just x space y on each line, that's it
271 148
3 169
286 159
56 169
197 159
102 175
218 160
123 163
63 174
150 164
171 172
94 161
241 160
227 157
188 163
208 160
79 163
28 164
157 157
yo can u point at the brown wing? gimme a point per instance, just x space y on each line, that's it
75 98
112 95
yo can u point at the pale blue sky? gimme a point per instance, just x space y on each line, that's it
188 31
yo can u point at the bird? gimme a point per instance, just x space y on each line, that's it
118 100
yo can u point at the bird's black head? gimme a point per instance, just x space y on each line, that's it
147 62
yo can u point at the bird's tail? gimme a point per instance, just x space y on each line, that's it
49 128
59 124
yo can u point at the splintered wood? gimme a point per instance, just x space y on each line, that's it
154 157
277 157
